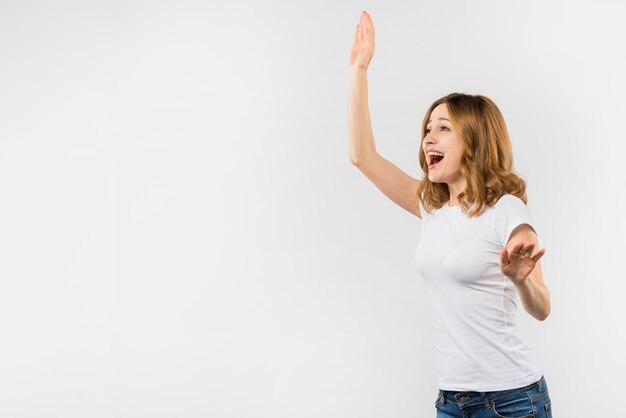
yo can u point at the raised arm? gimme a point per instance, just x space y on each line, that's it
388 178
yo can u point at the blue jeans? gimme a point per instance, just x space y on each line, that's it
532 401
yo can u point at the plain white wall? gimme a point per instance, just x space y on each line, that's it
182 234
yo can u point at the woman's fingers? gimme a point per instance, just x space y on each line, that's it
504 256
516 249
539 254
361 27
523 249
368 20
363 49
366 24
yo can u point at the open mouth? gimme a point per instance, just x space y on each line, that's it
434 161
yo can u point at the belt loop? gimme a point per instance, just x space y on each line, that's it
443 397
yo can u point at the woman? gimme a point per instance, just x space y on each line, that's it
476 248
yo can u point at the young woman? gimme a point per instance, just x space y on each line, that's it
477 251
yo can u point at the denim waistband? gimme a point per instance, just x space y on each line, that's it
471 397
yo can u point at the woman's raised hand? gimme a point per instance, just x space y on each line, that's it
517 264
363 48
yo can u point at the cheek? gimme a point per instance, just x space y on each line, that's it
454 159
452 163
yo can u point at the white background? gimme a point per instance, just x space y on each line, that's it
182 234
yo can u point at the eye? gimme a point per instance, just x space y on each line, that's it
443 127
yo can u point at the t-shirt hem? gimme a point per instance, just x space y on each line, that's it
463 387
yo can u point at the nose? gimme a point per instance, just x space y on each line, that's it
428 139
430 134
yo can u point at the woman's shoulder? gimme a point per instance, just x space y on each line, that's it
509 199
509 204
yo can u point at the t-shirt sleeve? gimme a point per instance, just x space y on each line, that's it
511 212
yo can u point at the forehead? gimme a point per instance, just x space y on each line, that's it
441 111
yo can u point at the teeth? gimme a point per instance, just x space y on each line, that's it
431 153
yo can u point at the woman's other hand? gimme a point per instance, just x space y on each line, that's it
363 47
517 264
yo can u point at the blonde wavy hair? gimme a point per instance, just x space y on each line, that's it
487 164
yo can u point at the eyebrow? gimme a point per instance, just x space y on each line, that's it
430 120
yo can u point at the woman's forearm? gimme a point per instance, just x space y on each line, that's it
535 298
359 124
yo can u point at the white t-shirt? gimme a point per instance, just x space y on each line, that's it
478 345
